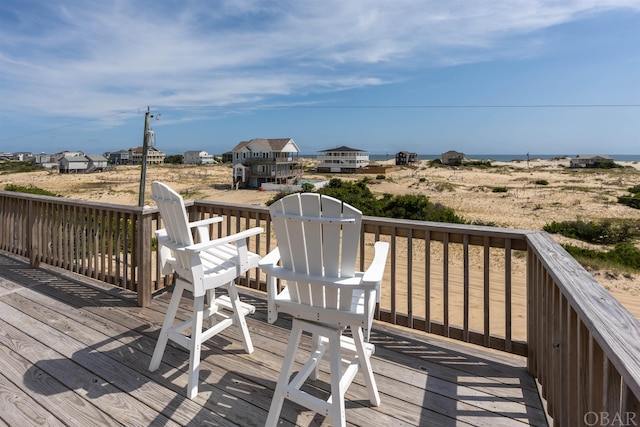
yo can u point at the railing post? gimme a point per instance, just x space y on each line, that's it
143 285
32 231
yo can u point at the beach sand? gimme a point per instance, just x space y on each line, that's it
569 194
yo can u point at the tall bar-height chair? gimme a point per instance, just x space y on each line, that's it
200 268
317 244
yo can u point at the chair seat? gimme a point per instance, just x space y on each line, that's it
354 315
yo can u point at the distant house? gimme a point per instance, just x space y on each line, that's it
44 160
452 158
261 160
96 163
227 157
406 158
73 164
197 158
590 161
154 156
122 157
62 154
342 160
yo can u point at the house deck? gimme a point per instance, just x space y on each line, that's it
74 351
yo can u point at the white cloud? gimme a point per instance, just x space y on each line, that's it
89 58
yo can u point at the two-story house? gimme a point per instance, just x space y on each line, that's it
342 160
154 156
197 158
266 160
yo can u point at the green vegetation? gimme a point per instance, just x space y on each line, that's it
499 189
16 167
358 194
381 176
176 159
623 255
308 187
30 190
482 164
607 232
542 182
632 200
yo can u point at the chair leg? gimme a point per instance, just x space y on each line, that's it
166 326
336 400
195 347
315 344
239 317
283 378
365 366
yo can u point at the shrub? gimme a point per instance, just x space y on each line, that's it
381 176
542 182
604 232
15 167
30 190
622 255
632 202
308 187
422 179
499 189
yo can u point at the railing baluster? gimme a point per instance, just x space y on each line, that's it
507 294
409 279
465 298
427 280
486 286
445 284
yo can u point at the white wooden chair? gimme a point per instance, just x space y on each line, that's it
200 268
317 240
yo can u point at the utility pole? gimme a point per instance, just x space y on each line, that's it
145 148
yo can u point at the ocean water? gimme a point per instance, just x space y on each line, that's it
497 157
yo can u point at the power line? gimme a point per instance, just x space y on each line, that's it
68 125
344 107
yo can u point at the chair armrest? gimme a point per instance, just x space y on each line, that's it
206 221
270 261
375 271
199 247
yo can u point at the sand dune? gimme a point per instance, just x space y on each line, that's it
568 195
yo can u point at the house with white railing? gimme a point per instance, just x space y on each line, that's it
262 160
197 158
342 160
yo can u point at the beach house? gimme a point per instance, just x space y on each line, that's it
590 161
342 160
452 158
154 156
406 158
263 160
197 158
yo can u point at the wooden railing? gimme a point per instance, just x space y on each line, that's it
512 290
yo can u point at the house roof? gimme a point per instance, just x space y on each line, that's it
342 149
593 156
453 153
97 158
274 144
75 159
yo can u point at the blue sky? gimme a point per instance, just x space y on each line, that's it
485 76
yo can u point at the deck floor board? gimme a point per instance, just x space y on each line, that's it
74 351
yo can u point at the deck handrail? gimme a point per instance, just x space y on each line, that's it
581 344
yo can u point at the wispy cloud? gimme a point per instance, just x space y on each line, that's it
86 58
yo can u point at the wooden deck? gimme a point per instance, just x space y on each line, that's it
75 352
